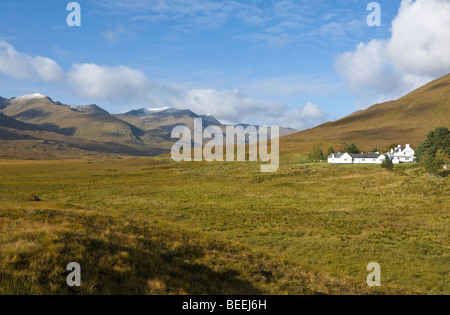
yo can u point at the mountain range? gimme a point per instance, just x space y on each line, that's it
35 126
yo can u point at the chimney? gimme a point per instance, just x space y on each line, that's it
408 146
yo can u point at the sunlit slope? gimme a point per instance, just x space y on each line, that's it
406 120
81 122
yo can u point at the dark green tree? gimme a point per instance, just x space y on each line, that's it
330 151
387 163
392 146
432 164
433 153
316 154
351 149
438 140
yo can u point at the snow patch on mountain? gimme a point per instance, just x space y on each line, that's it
157 110
28 97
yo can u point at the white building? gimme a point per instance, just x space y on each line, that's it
397 155
402 154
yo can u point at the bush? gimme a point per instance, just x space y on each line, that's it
438 140
316 154
330 151
432 164
352 149
434 152
387 163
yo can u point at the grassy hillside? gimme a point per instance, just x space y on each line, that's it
88 128
165 120
25 141
407 120
85 122
159 227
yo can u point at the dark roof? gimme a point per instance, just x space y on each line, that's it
337 155
365 156
358 156
399 149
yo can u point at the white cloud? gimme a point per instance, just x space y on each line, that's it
420 42
417 52
104 82
22 66
119 86
127 88
233 106
123 88
302 118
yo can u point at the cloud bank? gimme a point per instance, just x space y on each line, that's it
123 88
417 52
22 66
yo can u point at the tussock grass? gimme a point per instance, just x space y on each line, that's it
152 226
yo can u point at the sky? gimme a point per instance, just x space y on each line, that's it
290 63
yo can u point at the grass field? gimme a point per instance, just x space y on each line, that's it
153 226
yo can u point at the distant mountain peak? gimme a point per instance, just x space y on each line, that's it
143 112
33 96
156 110
89 109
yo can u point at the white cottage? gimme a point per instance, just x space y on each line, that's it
397 155
402 154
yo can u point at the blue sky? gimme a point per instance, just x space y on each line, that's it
293 62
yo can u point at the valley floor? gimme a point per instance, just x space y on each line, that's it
153 226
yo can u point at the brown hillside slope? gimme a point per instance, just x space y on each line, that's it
405 121
43 112
25 141
89 123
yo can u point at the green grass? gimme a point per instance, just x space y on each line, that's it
153 226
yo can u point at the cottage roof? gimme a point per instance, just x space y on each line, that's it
336 155
365 156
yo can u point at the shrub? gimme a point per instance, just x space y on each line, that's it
316 154
434 152
330 151
387 163
352 149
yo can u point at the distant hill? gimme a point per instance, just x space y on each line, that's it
407 120
35 126
146 132
165 118
21 140
90 128
86 122
168 118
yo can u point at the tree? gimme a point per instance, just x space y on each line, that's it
316 154
387 163
330 151
444 157
375 150
434 152
351 149
436 140
392 146
432 165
